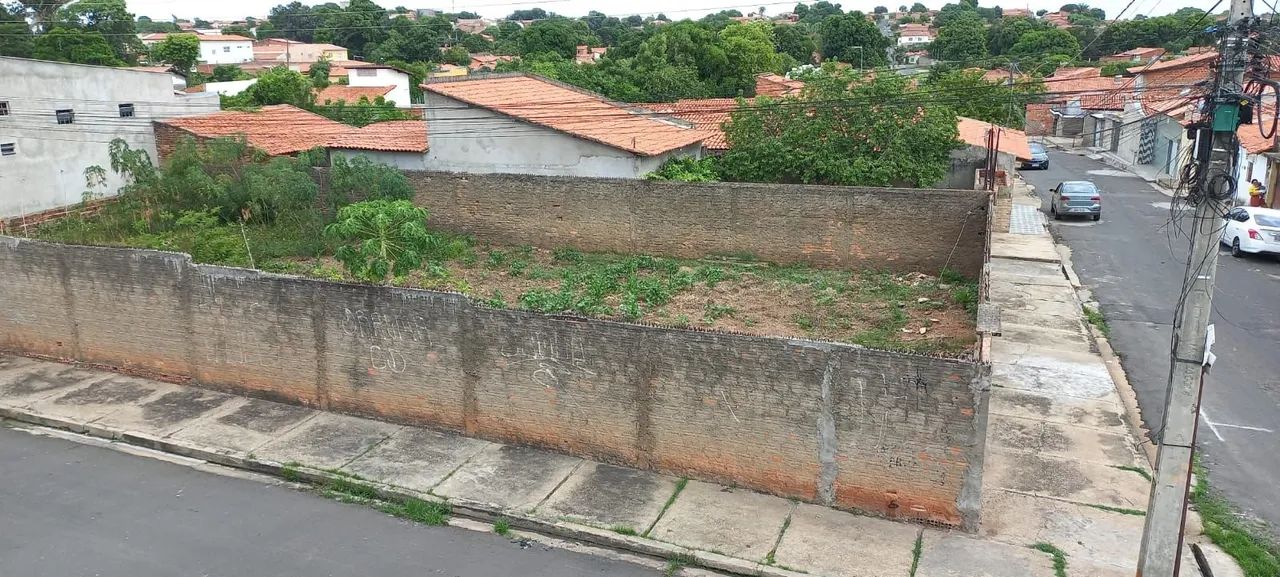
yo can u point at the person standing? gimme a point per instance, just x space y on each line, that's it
1257 193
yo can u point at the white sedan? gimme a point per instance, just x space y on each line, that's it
1251 230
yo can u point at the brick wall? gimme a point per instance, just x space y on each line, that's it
892 434
905 230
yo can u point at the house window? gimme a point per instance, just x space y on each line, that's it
226 49
66 116
4 108
8 149
126 111
366 72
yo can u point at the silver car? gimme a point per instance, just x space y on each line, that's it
1039 157
1075 198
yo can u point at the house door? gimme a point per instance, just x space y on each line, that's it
1170 157
1115 136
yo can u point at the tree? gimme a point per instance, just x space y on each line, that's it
361 177
456 55
15 34
1041 12
920 8
145 25
964 38
360 27
851 38
412 41
1040 44
530 14
201 23
476 43
381 238
110 19
880 10
794 41
227 73
978 98
888 141
1006 32
319 73
280 85
74 45
180 51
238 30
465 15
555 35
749 50
295 21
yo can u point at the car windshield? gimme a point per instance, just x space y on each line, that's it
1078 187
1037 149
1267 220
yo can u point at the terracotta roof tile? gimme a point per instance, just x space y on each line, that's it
974 133
707 115
1202 58
572 111
351 94
279 129
392 136
770 84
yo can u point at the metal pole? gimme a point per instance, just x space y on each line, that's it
1160 555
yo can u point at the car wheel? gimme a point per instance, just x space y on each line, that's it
1045 166
1235 248
1054 211
1097 217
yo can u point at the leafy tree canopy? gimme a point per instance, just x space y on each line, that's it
181 51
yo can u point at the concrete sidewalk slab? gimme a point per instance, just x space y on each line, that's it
1012 347
1051 300
509 477
98 398
842 544
249 424
1024 247
1082 532
416 458
1104 413
1072 322
1052 381
724 520
610 497
27 381
1069 479
168 412
327 441
950 554
1113 447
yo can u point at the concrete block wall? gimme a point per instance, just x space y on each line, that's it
903 230
891 434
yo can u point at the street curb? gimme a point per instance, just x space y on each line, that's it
1128 397
459 507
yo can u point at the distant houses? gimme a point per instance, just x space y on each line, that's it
214 48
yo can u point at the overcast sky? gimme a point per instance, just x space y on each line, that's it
675 9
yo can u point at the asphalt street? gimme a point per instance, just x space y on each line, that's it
70 510
1134 261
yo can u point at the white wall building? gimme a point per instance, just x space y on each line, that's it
214 48
914 35
230 87
365 74
524 124
57 119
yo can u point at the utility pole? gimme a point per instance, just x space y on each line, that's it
1216 150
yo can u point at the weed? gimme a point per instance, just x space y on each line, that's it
502 526
425 512
1138 470
951 276
629 307
1120 510
681 321
518 267
289 471
347 486
670 501
495 300
567 255
1059 558
1257 556
915 553
1095 318
713 312
496 259
679 561
710 275
623 530
805 322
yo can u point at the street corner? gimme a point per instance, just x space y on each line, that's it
1084 533
952 554
623 499
837 543
719 519
508 477
175 408
1102 486
98 397
244 425
24 381
327 441
416 458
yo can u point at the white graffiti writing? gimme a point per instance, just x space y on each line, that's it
386 359
553 364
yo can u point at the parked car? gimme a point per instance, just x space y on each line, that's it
1075 198
1039 157
1251 230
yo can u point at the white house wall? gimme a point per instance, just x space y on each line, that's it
47 168
383 77
470 139
226 51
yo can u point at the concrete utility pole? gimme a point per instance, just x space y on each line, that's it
1211 193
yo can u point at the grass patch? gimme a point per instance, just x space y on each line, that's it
670 501
1244 542
1095 318
502 526
1121 510
915 553
623 530
289 471
425 512
677 562
1138 470
1059 558
350 487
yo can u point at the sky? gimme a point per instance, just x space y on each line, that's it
674 9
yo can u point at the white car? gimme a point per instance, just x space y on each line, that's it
1251 230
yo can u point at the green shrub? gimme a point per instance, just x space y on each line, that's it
386 237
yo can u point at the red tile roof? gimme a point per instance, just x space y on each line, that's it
351 94
573 111
707 115
1197 59
392 136
770 84
1251 138
279 129
974 133
915 30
